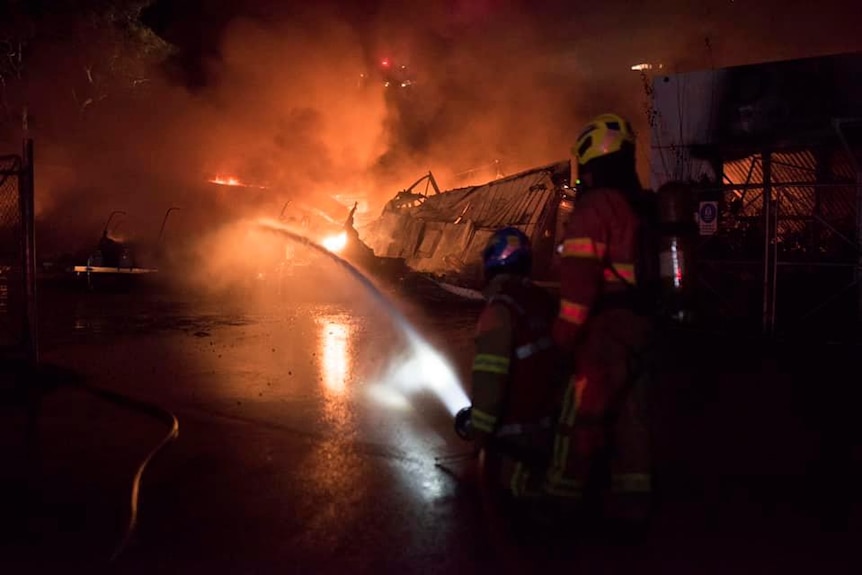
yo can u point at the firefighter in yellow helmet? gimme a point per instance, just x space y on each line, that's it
600 451
514 402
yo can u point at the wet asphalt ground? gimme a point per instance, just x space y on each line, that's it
295 454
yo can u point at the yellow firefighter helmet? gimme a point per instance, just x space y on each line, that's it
606 134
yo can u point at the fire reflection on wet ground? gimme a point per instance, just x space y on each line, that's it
336 368
334 341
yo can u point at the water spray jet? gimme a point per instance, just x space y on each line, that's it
424 369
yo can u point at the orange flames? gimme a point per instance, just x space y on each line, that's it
232 181
335 243
226 181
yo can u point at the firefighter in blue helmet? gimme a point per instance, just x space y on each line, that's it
514 400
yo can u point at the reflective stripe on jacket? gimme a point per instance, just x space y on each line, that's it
513 366
598 254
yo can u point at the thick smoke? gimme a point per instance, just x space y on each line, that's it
286 115
495 87
283 113
490 97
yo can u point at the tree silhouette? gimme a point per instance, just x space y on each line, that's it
83 50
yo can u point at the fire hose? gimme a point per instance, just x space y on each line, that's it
152 410
503 436
464 423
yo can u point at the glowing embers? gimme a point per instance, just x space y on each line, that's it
335 243
336 367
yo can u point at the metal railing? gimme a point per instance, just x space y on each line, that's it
786 252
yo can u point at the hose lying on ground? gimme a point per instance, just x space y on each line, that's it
152 410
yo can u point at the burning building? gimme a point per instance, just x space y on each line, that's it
442 234
772 157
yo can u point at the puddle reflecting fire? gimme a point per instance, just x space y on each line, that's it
335 356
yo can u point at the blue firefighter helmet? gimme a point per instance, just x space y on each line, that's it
508 251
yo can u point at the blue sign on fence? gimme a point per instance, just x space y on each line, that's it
707 218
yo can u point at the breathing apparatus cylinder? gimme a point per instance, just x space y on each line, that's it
677 236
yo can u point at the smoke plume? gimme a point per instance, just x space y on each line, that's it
293 102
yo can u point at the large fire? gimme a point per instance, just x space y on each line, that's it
335 243
226 181
232 181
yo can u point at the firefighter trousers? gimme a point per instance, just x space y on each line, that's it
601 450
519 461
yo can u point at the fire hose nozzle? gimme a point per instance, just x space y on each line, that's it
464 424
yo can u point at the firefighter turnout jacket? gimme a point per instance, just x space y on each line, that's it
598 258
603 411
514 400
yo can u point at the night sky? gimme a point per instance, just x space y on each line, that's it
569 58
684 33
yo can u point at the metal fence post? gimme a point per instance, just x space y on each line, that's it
28 228
839 124
859 235
767 239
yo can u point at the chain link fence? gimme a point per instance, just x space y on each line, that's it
785 258
17 261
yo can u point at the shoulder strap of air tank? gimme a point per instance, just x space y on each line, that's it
508 301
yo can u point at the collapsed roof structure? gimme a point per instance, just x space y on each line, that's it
443 234
774 149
